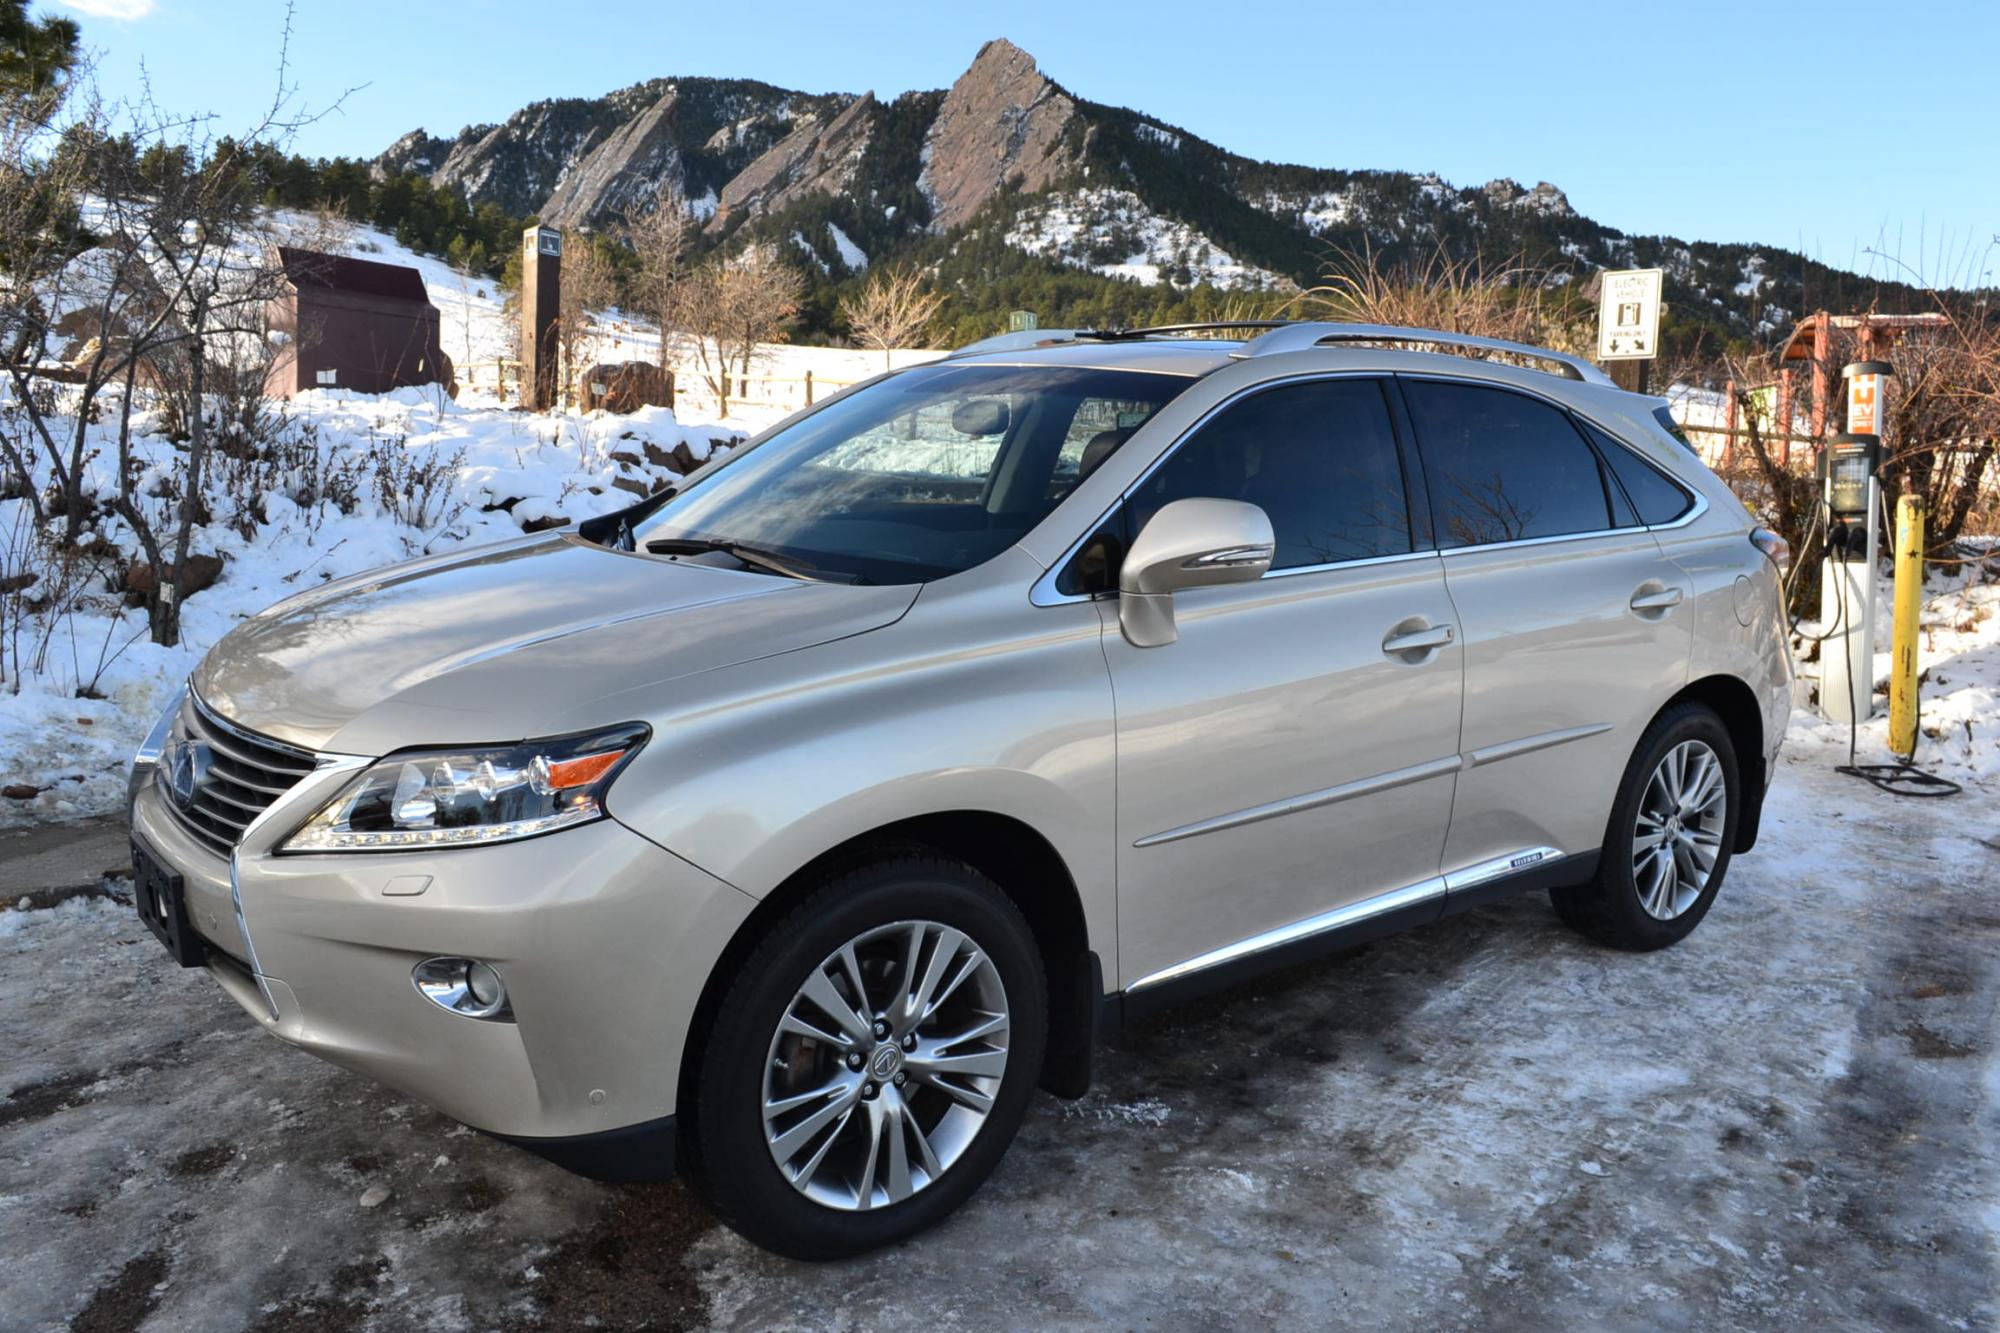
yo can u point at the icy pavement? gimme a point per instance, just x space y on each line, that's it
1788 1119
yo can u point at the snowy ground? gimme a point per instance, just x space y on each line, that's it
1790 1119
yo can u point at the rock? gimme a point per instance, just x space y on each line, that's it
20 791
626 386
374 1196
632 485
815 158
626 458
18 582
1004 119
623 172
200 573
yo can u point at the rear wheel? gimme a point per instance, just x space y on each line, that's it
1668 842
873 1061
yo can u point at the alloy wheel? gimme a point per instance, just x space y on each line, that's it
1677 835
885 1065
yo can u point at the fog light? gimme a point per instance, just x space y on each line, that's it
464 986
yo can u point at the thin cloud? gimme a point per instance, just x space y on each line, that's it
125 10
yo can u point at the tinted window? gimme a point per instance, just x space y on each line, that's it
1656 499
1504 467
922 474
1318 457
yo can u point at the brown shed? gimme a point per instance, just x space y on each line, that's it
352 324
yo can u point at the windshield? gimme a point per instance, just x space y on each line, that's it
923 474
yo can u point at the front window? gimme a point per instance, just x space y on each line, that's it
924 474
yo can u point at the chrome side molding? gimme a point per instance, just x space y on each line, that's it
1351 914
1311 800
1397 777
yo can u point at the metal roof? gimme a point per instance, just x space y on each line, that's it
343 273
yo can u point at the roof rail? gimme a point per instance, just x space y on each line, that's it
1302 336
1026 338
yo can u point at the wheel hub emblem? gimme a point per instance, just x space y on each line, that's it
888 1059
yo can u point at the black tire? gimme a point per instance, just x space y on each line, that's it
724 1152
1609 909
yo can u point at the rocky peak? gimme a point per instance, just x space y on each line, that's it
814 158
415 152
1003 119
517 163
1544 198
626 170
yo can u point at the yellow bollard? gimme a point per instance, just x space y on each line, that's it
1909 605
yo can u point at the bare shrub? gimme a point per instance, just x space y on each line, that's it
892 310
729 307
417 489
588 286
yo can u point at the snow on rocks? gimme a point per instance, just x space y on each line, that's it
1114 233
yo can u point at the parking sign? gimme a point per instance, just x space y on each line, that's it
1628 315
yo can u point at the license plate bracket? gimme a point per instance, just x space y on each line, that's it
161 897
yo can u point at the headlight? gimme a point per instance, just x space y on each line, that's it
453 798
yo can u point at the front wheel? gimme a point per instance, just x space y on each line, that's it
872 1063
1668 842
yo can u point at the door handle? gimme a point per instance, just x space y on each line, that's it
1653 597
1417 640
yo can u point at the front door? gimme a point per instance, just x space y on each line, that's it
1293 753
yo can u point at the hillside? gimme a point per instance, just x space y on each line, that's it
1008 179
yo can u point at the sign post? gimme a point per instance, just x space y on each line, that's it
1628 324
541 302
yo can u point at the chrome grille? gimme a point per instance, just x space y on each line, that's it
217 777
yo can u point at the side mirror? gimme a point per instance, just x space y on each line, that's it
1188 544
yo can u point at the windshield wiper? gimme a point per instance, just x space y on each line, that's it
755 556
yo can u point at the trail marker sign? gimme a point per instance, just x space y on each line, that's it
1628 315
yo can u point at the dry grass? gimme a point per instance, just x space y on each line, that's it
1513 301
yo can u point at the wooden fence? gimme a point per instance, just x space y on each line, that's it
787 393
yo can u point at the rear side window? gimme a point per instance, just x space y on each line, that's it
1319 457
1504 467
1655 499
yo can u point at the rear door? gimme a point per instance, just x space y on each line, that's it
1292 755
1576 627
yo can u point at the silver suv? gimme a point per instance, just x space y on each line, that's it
810 816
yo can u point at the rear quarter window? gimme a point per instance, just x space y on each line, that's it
1654 498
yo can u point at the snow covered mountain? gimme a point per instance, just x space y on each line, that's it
1005 157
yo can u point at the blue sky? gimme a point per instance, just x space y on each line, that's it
1708 121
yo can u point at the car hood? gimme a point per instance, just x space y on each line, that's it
509 641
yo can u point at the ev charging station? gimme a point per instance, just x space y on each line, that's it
1849 468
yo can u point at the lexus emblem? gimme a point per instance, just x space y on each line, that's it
187 771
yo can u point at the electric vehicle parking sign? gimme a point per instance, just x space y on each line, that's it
1628 315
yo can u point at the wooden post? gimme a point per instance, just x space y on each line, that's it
809 388
1782 428
1633 376
1728 423
541 301
1904 627
1822 374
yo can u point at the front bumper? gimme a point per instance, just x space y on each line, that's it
605 941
